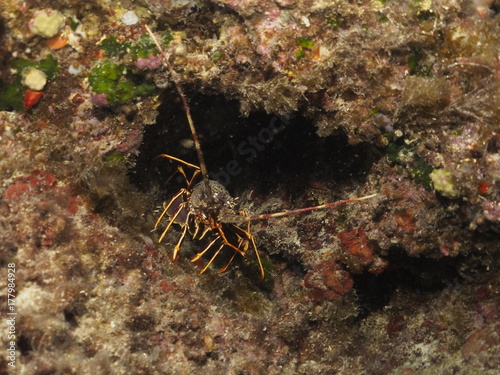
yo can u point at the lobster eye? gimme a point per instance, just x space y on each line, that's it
221 199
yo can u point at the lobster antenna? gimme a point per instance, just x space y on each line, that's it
177 81
241 218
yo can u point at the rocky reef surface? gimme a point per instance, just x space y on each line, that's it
297 103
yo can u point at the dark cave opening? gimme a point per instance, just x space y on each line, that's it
24 344
416 274
262 152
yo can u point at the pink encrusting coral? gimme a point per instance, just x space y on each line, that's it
328 281
151 62
37 183
356 245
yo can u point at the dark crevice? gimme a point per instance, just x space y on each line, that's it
260 151
421 275
24 344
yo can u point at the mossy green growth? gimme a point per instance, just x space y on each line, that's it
115 157
143 47
117 83
442 180
341 219
73 23
417 66
405 156
48 65
216 56
269 270
304 44
333 23
300 54
423 9
420 171
267 264
11 95
103 77
382 18
115 79
114 48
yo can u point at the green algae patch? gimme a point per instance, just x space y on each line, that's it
216 56
141 48
304 44
405 156
145 46
115 157
118 83
12 95
117 78
47 65
114 48
333 23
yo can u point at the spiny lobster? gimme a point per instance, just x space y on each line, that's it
205 207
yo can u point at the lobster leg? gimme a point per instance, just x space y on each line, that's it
227 243
213 257
165 210
178 245
228 263
247 235
200 254
172 219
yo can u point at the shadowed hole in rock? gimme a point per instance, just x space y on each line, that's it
264 154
